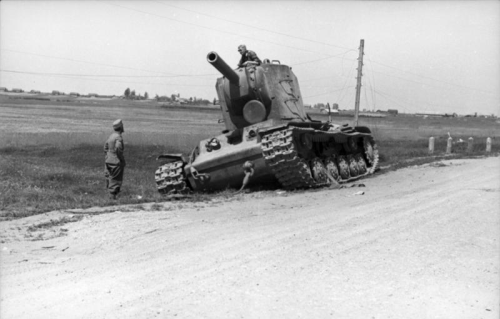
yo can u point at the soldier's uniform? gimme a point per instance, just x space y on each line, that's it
248 55
114 160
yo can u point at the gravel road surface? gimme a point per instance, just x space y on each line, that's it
420 242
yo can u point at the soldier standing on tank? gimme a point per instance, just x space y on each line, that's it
247 56
114 161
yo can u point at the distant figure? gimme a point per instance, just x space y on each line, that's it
247 56
114 161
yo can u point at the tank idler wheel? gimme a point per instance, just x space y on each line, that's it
369 150
318 171
361 163
353 166
331 166
343 167
371 153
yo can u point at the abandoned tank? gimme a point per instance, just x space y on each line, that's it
269 134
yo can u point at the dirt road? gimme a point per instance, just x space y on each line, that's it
421 242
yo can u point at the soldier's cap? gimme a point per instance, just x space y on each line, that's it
117 124
242 46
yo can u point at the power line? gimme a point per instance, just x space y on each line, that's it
372 85
345 83
329 57
104 64
113 81
366 97
431 105
427 77
384 96
254 27
213 29
430 85
309 96
115 66
109 75
284 34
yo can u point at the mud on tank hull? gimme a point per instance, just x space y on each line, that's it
297 155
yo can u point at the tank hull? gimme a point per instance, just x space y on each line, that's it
297 155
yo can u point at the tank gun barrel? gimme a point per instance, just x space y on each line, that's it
221 66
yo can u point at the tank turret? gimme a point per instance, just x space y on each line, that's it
257 93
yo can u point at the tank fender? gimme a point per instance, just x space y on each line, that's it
172 157
362 129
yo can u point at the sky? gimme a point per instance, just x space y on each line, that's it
419 56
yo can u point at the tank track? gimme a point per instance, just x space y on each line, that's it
170 179
281 155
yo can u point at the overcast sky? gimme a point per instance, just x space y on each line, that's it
420 56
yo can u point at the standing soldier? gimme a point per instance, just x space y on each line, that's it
114 160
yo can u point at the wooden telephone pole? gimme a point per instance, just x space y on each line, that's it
358 85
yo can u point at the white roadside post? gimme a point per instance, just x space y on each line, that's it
488 145
470 146
448 145
431 145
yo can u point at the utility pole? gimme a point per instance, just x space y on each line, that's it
358 85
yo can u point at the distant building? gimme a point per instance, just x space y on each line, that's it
3 89
426 115
392 111
93 95
56 92
74 94
333 111
35 91
17 90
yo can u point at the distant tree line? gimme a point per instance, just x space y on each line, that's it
131 95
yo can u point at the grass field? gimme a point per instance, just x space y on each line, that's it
51 153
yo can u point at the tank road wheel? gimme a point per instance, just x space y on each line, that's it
318 171
170 179
353 166
371 153
343 167
332 168
361 163
304 174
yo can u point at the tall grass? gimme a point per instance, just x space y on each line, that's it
44 178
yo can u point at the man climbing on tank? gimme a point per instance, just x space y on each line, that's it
114 161
247 57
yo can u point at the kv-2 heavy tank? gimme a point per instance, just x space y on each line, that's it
269 133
